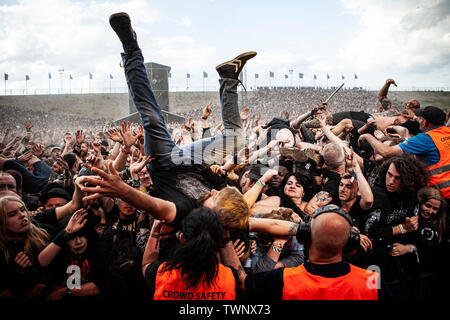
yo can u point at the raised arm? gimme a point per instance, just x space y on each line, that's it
110 184
76 222
385 88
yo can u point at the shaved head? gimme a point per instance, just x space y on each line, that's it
329 233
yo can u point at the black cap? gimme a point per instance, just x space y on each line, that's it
432 114
55 193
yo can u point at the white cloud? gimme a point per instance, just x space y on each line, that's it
407 38
185 22
43 36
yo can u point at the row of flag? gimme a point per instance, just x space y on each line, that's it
27 77
188 76
300 76
271 75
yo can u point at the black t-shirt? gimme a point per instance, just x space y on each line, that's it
389 209
357 214
353 115
183 185
331 185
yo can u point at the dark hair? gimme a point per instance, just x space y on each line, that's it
196 256
17 176
304 178
413 173
71 159
287 202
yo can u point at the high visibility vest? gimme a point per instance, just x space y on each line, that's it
169 285
358 284
440 172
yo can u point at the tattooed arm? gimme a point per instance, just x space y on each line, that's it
321 199
152 248
273 226
229 258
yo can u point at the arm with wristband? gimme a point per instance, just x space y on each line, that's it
251 195
76 222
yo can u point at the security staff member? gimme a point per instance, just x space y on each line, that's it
325 276
433 146
193 271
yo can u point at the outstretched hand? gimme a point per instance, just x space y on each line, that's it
105 184
77 221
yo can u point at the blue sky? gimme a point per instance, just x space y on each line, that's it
407 40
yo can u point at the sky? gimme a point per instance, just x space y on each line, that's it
406 40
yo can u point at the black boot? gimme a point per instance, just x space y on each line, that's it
121 24
231 69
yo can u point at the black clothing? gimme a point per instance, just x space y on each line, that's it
353 115
331 182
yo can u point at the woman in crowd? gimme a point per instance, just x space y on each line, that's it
20 243
294 188
69 252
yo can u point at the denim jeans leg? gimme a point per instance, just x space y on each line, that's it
158 142
213 150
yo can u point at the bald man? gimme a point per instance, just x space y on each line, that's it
325 276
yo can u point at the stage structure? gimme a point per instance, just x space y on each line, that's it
158 75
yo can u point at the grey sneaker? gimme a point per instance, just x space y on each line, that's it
121 23
231 69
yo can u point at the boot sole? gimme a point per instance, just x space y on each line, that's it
238 58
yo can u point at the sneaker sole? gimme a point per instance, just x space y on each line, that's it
118 15
246 55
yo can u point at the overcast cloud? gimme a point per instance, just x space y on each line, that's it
408 40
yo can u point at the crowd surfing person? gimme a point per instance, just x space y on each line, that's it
144 211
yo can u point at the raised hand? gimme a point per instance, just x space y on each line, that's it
105 184
137 166
24 158
114 135
127 136
207 110
244 114
79 137
77 221
28 125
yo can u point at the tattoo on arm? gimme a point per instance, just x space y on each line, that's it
293 229
323 196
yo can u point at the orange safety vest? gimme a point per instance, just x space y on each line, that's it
358 284
169 285
440 172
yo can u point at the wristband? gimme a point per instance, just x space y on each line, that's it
155 235
62 237
204 118
260 184
278 250
278 245
402 230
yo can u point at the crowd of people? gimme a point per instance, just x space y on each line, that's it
304 203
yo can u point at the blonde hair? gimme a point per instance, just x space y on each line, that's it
232 209
35 238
